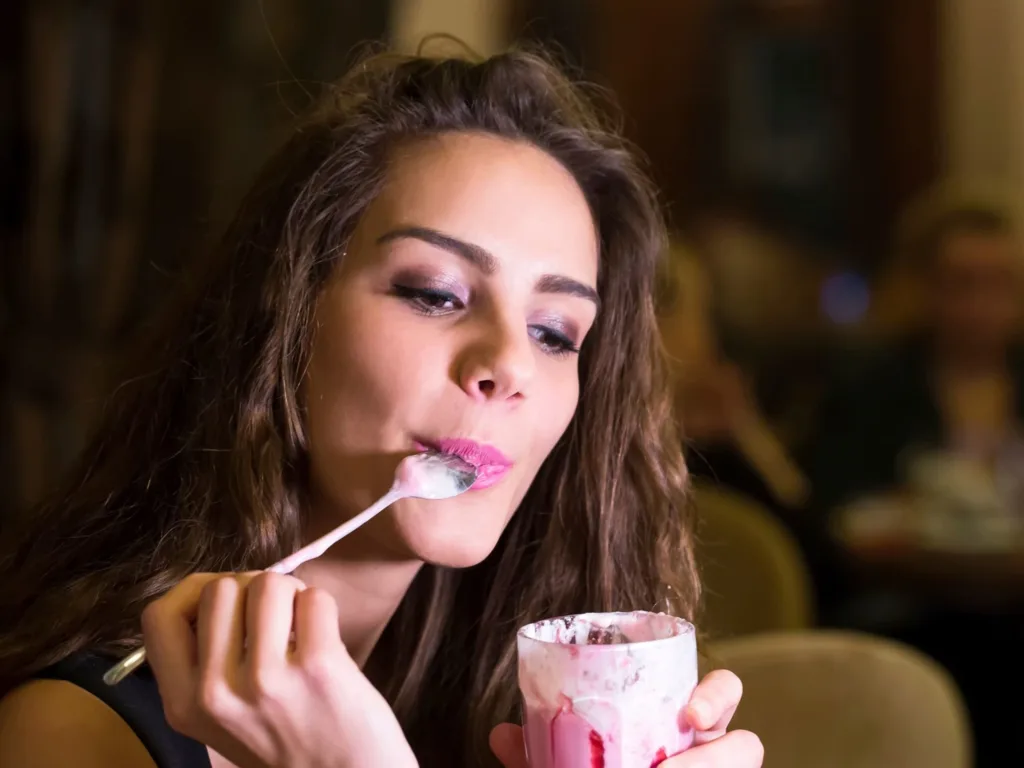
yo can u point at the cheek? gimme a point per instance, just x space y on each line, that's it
359 400
555 414
365 360
348 380
550 423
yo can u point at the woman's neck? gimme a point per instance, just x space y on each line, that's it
368 592
366 582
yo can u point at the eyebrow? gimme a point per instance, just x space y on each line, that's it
486 262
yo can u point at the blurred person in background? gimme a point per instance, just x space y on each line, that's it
929 437
953 378
729 441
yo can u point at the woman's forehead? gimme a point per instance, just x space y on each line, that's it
506 197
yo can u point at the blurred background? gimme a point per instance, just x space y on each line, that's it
842 300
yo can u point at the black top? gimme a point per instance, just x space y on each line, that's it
137 701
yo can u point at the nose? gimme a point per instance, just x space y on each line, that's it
498 363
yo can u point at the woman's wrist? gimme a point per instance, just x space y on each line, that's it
388 753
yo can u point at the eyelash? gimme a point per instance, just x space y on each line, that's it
430 302
426 300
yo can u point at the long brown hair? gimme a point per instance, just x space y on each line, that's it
199 461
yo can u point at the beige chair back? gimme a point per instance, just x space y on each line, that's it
823 699
755 578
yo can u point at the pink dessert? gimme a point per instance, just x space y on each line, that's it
606 690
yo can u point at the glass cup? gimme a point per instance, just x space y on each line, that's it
606 690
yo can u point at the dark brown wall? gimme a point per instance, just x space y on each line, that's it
654 54
663 59
897 121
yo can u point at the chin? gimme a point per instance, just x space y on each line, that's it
455 533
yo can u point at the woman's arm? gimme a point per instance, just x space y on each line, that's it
53 723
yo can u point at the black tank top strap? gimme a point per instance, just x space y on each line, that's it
137 701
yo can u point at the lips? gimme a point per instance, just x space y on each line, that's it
491 464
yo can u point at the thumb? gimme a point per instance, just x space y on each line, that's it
507 744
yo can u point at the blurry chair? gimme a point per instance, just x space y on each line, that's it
755 577
829 699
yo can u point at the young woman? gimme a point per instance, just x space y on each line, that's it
445 254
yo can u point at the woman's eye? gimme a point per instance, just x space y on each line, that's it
427 300
430 301
553 342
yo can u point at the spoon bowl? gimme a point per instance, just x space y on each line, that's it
434 475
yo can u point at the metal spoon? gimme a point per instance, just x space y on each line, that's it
428 475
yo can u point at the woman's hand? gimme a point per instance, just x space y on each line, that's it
710 709
253 666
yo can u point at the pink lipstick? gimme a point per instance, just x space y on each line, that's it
491 464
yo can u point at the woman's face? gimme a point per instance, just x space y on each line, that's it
453 321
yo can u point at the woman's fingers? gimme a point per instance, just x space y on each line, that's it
172 647
269 610
220 628
737 749
713 704
167 625
316 625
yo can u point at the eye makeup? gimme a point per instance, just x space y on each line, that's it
556 335
431 293
439 294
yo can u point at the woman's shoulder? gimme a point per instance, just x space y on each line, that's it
48 723
67 715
